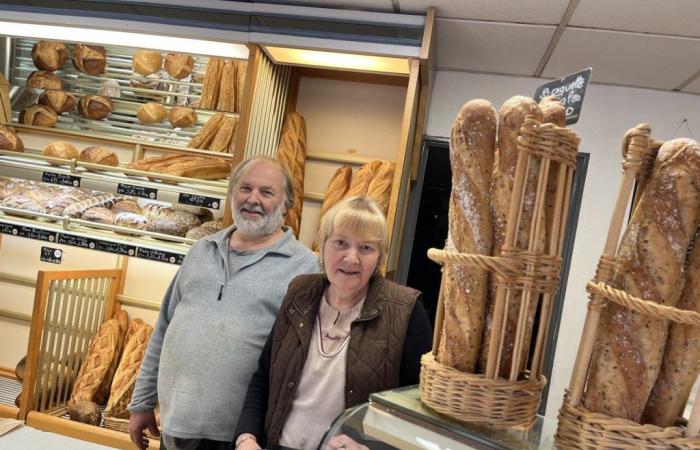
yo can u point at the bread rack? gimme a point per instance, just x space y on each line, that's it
486 398
580 428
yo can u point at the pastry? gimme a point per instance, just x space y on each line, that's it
9 139
89 59
292 153
62 150
95 107
179 65
151 113
59 101
146 62
49 55
182 117
38 115
43 79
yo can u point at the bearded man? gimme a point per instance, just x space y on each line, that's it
216 315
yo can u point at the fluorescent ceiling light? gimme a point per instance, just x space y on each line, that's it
126 39
360 63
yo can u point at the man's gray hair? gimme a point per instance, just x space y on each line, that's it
245 165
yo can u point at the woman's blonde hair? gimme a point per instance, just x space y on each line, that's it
361 215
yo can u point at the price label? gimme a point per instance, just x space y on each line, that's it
27 232
137 191
160 255
569 90
51 255
60 179
96 244
199 200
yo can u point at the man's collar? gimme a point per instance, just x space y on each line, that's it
284 245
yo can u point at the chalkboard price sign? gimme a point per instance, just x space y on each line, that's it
51 255
569 91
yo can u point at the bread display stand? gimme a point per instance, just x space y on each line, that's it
486 398
580 428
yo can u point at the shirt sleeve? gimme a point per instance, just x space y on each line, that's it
145 396
419 339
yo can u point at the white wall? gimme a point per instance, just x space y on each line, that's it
607 113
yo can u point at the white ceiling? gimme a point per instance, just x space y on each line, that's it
643 43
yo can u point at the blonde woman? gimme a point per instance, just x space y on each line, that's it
339 336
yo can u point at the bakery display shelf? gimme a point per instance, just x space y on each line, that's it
94 236
114 180
339 158
314 196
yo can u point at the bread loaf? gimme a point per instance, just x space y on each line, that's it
38 115
102 395
151 113
464 288
97 360
225 134
99 155
146 62
126 205
131 220
650 264
77 209
59 101
128 369
146 163
43 79
9 140
98 214
337 187
89 59
178 65
207 133
511 116
227 88
201 168
49 55
95 107
182 116
362 178
292 153
380 186
62 150
681 361
552 112
204 214
204 229
212 83
242 68
175 223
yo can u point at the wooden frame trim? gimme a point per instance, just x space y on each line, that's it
357 77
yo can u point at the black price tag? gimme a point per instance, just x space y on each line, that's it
96 244
27 232
51 255
137 191
199 200
569 90
160 255
60 179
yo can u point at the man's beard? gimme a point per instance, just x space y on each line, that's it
266 223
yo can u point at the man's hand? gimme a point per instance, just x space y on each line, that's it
246 441
344 442
138 422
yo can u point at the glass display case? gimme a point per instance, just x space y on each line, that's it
397 419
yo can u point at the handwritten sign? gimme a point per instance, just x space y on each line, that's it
199 200
51 255
569 90
60 179
137 191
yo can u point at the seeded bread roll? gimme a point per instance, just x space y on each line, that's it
99 155
95 107
49 55
650 264
89 59
464 288
146 62
38 115
43 79
178 65
292 153
59 101
63 150
182 117
151 113
380 186
9 139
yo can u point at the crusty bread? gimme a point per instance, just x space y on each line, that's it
227 88
362 178
212 83
90 59
337 187
77 209
650 264
207 133
464 288
59 101
38 115
681 363
151 113
9 140
64 150
49 55
146 62
128 369
552 112
511 117
178 65
182 116
242 67
97 361
292 153
99 155
380 186
98 214
102 395
223 137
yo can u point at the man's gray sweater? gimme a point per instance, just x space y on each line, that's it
212 326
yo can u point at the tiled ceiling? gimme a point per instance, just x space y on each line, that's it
643 43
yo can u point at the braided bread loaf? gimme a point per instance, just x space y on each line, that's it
97 361
128 370
104 200
102 395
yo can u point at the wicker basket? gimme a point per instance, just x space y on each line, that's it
580 428
116 424
534 275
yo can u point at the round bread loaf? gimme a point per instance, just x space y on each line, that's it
49 55
151 113
9 139
179 65
43 79
59 101
182 117
177 223
95 107
39 115
61 150
99 214
99 155
89 59
131 220
146 62
85 411
126 205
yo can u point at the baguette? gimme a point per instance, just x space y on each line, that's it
337 187
552 112
241 69
681 362
464 288
227 88
207 133
205 169
650 264
511 116
97 361
224 135
380 186
362 178
292 153
211 85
